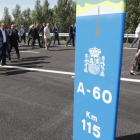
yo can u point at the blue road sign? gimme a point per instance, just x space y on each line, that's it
99 45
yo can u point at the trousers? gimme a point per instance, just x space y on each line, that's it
3 53
47 43
16 49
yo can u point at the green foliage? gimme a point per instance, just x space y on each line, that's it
132 16
37 13
16 12
6 17
64 14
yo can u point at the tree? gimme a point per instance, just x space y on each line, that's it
37 13
64 14
6 17
132 15
26 15
16 12
47 13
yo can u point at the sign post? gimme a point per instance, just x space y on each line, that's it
99 45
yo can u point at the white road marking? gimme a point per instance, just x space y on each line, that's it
39 70
125 48
61 72
130 80
29 51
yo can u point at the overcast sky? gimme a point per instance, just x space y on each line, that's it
23 3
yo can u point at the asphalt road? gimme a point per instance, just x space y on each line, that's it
38 105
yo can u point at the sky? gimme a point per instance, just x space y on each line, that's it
23 3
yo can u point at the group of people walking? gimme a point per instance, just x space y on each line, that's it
33 34
11 37
8 40
34 30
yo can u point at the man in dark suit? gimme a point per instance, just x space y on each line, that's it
42 33
14 39
71 34
31 35
36 30
56 34
4 42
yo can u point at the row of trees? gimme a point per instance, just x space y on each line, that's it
64 13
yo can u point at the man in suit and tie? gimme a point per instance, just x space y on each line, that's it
14 39
36 30
4 42
71 34
56 34
42 33
31 35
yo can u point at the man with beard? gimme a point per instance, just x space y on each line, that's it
14 39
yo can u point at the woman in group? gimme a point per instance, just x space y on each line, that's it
136 65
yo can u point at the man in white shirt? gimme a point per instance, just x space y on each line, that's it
4 42
47 37
137 35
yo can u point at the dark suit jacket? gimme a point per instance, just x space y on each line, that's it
31 33
71 30
54 31
42 30
16 31
75 29
36 30
14 38
1 38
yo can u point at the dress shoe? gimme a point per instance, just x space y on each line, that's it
19 58
4 64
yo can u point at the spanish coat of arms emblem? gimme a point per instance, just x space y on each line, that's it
93 63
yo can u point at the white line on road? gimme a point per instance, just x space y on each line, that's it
129 48
39 70
61 72
30 51
130 80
